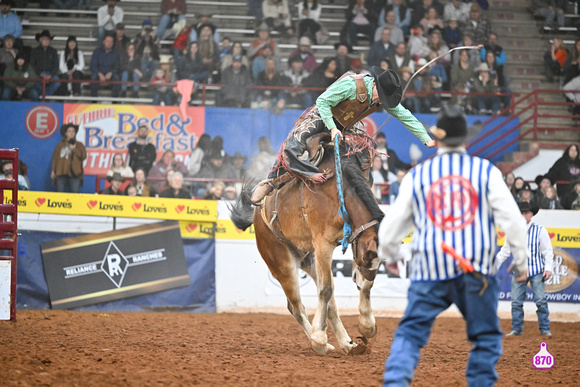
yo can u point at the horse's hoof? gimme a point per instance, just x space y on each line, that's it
319 343
349 347
368 331
360 348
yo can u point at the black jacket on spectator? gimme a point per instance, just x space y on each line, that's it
235 92
564 169
44 61
142 156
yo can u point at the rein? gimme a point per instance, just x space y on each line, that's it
342 212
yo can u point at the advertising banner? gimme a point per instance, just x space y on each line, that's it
103 267
109 129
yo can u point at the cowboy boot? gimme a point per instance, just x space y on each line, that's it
262 191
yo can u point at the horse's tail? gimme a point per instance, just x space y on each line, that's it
242 212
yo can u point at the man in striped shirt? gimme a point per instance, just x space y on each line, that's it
337 110
540 261
454 201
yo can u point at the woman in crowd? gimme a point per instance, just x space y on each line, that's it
166 163
431 20
191 66
17 90
176 188
141 184
209 50
130 70
555 58
261 163
271 98
7 54
566 168
380 176
237 49
438 47
118 165
322 77
550 200
309 15
71 65
67 160
509 179
518 184
461 80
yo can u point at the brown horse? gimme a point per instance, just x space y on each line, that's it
305 232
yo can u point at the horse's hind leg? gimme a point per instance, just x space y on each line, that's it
344 340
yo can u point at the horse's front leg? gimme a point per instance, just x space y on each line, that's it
366 321
325 287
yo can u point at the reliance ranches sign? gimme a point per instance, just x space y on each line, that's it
104 267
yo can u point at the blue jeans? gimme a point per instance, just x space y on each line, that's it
9 94
125 78
164 24
518 298
95 86
148 67
73 182
51 87
429 298
165 96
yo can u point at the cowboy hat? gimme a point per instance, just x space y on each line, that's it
539 179
116 176
348 46
64 127
304 41
526 206
238 155
451 128
7 2
388 86
44 33
482 67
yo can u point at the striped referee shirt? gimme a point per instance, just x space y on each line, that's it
456 199
539 249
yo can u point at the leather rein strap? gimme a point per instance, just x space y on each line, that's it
355 234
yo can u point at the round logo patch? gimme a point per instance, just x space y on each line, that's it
41 122
451 203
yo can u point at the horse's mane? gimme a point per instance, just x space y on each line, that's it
352 168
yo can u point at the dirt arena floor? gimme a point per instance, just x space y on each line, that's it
64 348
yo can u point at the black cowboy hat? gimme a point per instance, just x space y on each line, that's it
64 127
388 86
43 34
526 187
7 2
348 46
526 206
238 155
539 179
451 128
116 176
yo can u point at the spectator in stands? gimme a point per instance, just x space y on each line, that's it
68 5
44 61
225 47
509 179
162 94
141 184
477 25
7 173
571 201
395 185
217 168
383 48
409 100
116 181
159 171
236 50
202 21
461 81
342 60
423 83
419 9
497 50
274 98
176 188
543 182
67 160
262 41
10 23
401 11
130 70
431 21
118 166
255 10
229 193
550 10
309 16
147 46
105 67
259 63
217 146
566 168
215 192
71 65
171 12
380 176
107 18
196 156
276 15
457 10
209 51
7 53
554 59
308 59
361 18
397 35
191 66
438 47
401 58
142 154
452 34
297 75
261 162
518 184
474 55
121 40
391 162
418 44
385 64
525 194
496 71
572 65
235 78
17 90
238 162
484 83
131 191
322 77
